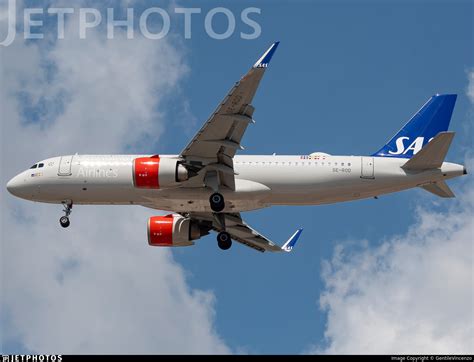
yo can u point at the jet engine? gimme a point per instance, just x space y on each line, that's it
173 230
155 172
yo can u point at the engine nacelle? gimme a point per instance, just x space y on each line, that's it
172 230
155 172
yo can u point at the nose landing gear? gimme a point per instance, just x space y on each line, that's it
64 220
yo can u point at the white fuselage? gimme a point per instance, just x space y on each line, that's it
260 181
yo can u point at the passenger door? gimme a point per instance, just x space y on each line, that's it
367 169
65 166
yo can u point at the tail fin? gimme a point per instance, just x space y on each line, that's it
433 117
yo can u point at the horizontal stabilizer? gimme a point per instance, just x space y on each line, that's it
439 188
432 155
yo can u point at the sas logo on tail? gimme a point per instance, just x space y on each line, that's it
415 146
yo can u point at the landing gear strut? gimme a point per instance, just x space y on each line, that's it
217 202
64 220
224 240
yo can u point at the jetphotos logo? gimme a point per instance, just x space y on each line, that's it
153 23
414 146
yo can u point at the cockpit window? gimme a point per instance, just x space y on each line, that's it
34 166
40 165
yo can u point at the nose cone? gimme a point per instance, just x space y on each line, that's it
14 185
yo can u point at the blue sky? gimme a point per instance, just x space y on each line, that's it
346 77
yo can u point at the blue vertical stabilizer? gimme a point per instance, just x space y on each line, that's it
430 120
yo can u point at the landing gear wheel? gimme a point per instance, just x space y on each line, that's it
64 221
224 240
217 202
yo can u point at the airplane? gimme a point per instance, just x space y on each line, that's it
207 186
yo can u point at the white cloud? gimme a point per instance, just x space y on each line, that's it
94 77
96 287
470 86
413 294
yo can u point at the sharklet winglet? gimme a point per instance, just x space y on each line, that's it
267 56
288 246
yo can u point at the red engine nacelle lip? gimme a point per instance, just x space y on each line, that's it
160 230
146 172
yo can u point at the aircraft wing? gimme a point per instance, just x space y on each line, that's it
240 231
210 153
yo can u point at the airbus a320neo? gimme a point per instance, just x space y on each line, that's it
206 186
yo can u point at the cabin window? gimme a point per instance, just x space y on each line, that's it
342 163
349 164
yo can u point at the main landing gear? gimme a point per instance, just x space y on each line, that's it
64 220
224 240
217 202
